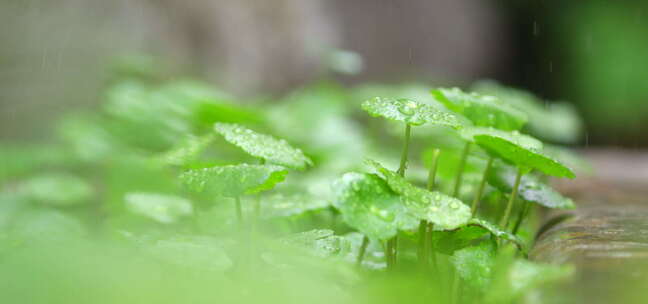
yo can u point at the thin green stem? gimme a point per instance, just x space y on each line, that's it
363 249
456 284
403 161
521 216
256 208
425 233
482 185
433 169
389 254
460 170
395 253
512 197
430 248
392 244
422 245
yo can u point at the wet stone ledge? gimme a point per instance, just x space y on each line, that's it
605 238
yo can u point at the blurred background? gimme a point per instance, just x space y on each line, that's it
58 55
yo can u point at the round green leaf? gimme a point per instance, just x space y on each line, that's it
474 264
514 149
409 111
162 208
234 180
531 189
468 134
482 110
57 189
368 205
273 150
445 212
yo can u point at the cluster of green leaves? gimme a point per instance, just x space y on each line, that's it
260 195
381 206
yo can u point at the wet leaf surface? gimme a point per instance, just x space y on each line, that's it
531 188
273 150
445 212
474 264
409 111
234 180
482 110
518 152
370 206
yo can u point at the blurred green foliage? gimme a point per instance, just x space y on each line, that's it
145 200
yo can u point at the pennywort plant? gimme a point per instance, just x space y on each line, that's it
411 113
233 181
140 178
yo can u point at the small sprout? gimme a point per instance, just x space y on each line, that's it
273 150
482 110
162 208
234 180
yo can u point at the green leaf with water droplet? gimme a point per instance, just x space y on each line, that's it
234 180
57 189
531 188
499 233
468 134
409 111
474 264
162 208
273 150
512 148
368 205
482 110
445 212
188 150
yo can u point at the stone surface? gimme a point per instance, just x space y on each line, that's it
606 237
